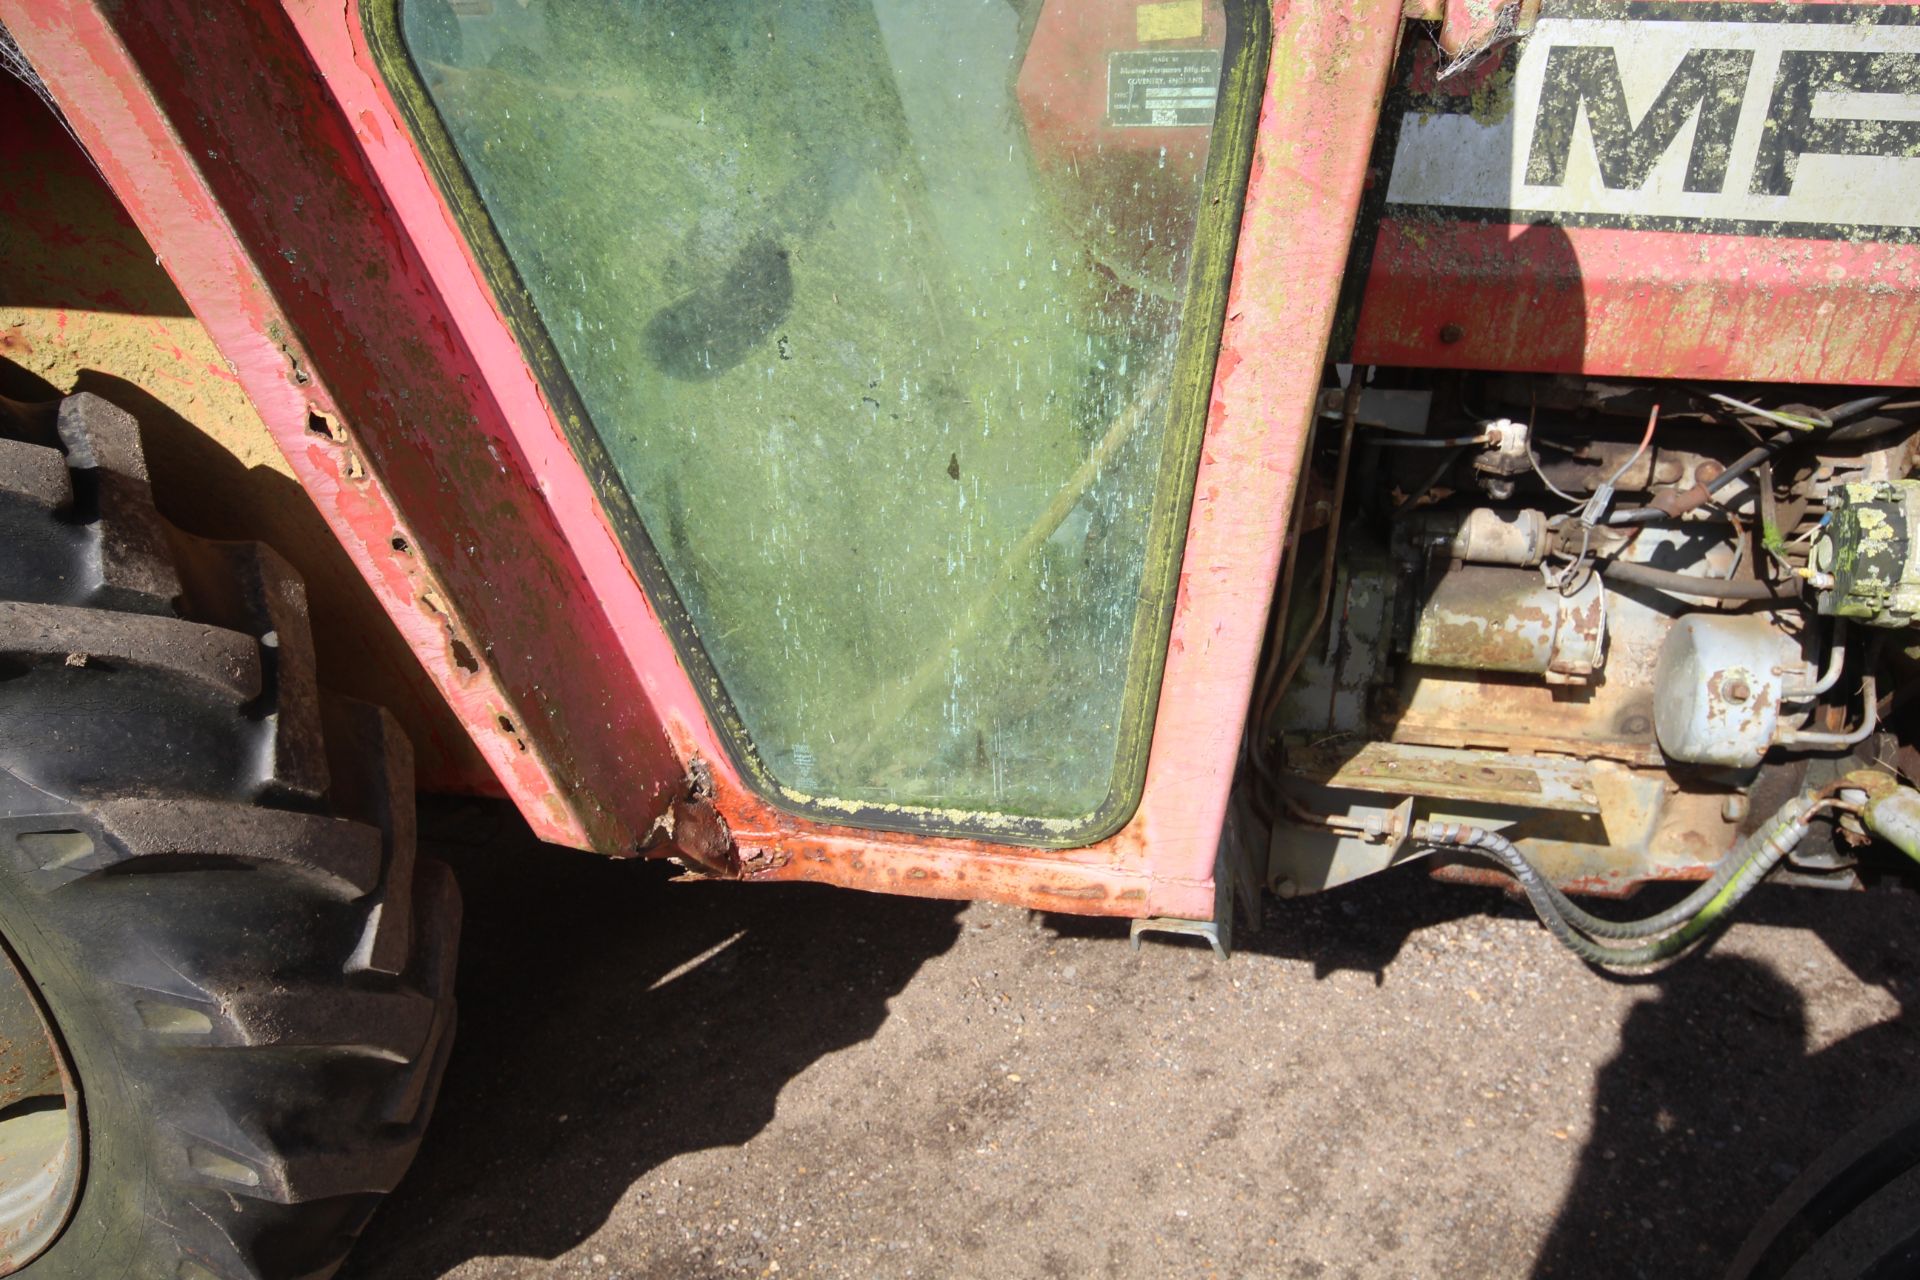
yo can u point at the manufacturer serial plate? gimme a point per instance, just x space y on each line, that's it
1162 88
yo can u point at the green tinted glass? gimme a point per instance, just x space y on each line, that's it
889 323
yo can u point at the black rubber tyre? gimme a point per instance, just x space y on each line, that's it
208 873
1854 1214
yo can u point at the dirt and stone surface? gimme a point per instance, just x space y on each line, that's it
663 1081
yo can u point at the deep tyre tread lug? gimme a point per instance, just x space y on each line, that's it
372 764
98 435
342 854
223 662
392 1026
129 566
437 947
223 911
248 587
34 476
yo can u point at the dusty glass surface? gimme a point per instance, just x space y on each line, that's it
874 307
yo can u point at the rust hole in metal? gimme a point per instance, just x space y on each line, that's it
463 656
400 544
506 725
325 425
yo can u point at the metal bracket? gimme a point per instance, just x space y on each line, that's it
1233 871
1212 930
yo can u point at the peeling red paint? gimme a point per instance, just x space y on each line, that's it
288 251
551 578
1650 304
1328 73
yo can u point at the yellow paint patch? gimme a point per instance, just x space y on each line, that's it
1174 20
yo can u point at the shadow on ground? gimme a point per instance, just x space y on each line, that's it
1359 928
1723 1089
611 1021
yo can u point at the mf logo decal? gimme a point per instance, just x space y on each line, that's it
1802 120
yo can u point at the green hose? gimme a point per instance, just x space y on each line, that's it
1690 920
1680 912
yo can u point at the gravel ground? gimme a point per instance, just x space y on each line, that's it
681 1081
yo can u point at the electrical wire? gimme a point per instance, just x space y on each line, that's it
1424 442
1552 488
1596 506
1790 420
1558 580
1840 429
1533 459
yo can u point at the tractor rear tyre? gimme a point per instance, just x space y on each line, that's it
225 979
1854 1214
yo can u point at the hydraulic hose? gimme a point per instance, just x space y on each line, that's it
1687 584
1691 905
1689 920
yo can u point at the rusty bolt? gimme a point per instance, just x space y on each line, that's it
1736 690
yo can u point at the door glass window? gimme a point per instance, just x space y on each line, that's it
881 317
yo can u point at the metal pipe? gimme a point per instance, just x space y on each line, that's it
1289 541
1869 721
1308 818
1292 668
1836 661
